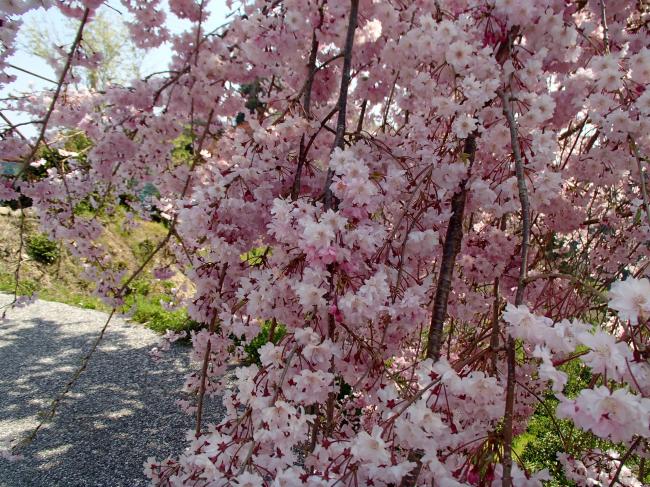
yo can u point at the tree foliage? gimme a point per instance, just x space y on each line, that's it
443 203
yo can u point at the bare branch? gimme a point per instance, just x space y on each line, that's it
31 73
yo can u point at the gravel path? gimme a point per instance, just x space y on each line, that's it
121 411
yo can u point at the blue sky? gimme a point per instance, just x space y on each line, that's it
52 20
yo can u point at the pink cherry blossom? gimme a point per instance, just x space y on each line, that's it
631 299
421 203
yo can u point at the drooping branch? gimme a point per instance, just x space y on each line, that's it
276 394
329 200
521 285
206 357
47 415
31 73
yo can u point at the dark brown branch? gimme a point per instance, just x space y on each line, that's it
622 463
206 357
388 103
343 98
362 115
306 104
570 131
311 67
451 246
494 336
295 187
14 127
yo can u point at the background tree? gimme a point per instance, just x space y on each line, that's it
108 52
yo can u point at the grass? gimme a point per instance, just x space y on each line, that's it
54 275
147 308
59 293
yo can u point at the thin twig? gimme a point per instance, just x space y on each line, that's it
388 103
31 73
603 23
13 127
47 416
622 462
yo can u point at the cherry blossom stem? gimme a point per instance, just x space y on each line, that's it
415 456
622 462
276 394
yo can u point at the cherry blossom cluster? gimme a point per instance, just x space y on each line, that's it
442 204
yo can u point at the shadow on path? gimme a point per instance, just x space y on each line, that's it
121 411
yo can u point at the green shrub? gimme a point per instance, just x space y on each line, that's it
140 287
42 249
546 434
252 348
144 249
149 311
